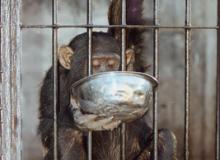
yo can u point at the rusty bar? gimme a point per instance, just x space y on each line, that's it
187 77
89 65
55 74
156 75
119 26
123 68
217 154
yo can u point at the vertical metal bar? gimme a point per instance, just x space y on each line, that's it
89 32
156 75
1 127
89 65
1 107
123 40
55 73
187 77
218 91
123 68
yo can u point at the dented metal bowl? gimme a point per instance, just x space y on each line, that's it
124 95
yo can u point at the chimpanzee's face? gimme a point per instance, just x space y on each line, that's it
105 54
105 62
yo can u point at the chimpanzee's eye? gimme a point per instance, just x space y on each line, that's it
111 63
95 63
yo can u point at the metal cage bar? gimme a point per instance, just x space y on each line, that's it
187 77
156 75
6 107
55 74
1 107
123 68
188 27
89 65
120 26
217 154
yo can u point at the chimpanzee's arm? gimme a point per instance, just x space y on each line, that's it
166 147
70 140
45 128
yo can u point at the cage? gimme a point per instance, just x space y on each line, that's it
182 46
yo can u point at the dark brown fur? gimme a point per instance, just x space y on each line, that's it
106 144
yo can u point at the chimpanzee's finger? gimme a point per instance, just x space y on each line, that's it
73 103
82 119
112 125
98 125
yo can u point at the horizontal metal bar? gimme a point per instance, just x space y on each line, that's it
118 26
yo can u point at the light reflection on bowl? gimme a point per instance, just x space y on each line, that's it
124 95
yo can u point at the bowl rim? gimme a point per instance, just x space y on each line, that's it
146 76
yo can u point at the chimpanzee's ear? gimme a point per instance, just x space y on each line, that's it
130 56
64 55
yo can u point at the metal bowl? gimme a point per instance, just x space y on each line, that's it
124 95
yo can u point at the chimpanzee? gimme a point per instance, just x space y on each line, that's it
72 141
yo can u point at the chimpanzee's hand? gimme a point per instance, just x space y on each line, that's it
91 121
166 146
